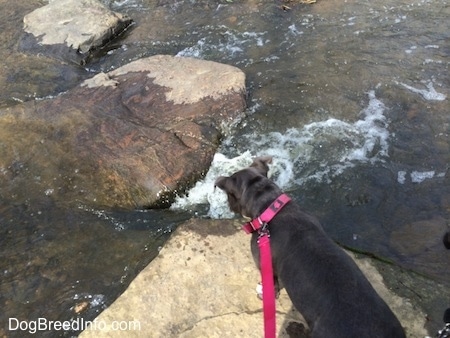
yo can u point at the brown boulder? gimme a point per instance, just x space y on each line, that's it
132 137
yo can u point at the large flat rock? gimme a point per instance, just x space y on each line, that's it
72 28
129 138
202 284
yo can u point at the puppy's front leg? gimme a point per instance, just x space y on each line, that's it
256 257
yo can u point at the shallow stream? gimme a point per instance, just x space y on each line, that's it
350 97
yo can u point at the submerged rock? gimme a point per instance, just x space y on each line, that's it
420 241
128 138
72 28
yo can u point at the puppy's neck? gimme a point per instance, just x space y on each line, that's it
260 202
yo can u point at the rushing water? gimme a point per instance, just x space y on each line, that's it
351 98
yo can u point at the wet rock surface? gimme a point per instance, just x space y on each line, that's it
202 284
128 138
421 241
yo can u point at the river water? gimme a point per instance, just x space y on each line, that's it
351 98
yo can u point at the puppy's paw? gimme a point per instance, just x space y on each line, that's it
259 290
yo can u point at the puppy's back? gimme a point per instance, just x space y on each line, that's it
325 284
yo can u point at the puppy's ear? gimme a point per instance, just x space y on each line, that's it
221 182
262 164
228 184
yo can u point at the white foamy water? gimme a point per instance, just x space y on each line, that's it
122 4
233 43
429 94
318 151
418 176
204 192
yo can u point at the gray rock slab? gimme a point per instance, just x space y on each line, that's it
81 26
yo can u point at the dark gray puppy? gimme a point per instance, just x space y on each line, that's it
323 282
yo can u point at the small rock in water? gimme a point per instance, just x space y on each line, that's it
81 307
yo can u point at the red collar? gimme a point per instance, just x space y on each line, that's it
256 223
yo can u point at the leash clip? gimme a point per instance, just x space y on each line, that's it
445 332
264 229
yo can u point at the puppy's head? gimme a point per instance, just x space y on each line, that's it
236 185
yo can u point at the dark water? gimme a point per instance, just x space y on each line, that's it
378 180
54 259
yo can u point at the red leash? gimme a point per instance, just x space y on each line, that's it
260 224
